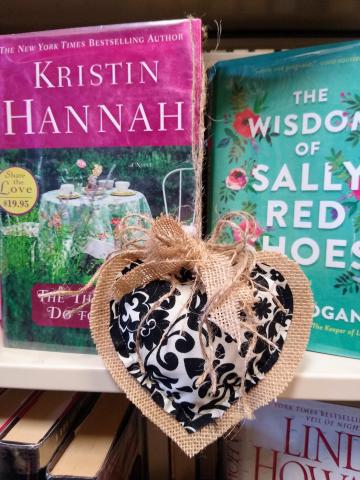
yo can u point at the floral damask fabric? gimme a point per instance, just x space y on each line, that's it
170 347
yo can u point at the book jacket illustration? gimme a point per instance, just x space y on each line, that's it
285 147
302 440
96 123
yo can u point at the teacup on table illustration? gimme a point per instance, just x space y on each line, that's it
121 186
67 188
67 192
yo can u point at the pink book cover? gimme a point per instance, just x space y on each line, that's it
96 123
296 440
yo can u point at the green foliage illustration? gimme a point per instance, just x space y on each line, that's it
56 254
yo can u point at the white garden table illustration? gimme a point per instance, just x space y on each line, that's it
86 224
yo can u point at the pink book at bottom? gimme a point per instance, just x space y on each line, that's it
294 439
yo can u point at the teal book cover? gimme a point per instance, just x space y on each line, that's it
284 145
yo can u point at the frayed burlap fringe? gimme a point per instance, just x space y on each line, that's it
266 390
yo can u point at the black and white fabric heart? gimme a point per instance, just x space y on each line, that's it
199 334
170 351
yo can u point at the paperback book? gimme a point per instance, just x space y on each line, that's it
41 426
103 447
157 452
166 461
14 403
283 146
96 124
302 440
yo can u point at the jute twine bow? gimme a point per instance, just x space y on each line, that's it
222 270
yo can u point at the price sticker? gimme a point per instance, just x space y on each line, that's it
18 190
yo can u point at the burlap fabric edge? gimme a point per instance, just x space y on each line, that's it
274 383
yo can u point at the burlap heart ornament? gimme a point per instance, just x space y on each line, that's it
199 334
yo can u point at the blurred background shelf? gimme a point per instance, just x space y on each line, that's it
321 377
246 24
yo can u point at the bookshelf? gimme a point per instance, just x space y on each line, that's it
255 24
320 377
255 18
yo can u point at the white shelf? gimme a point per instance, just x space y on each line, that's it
320 377
36 369
326 377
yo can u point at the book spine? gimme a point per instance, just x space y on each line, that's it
9 422
72 416
124 451
158 451
28 462
232 459
17 463
208 463
182 467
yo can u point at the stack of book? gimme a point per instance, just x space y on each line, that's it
77 436
63 435
66 435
